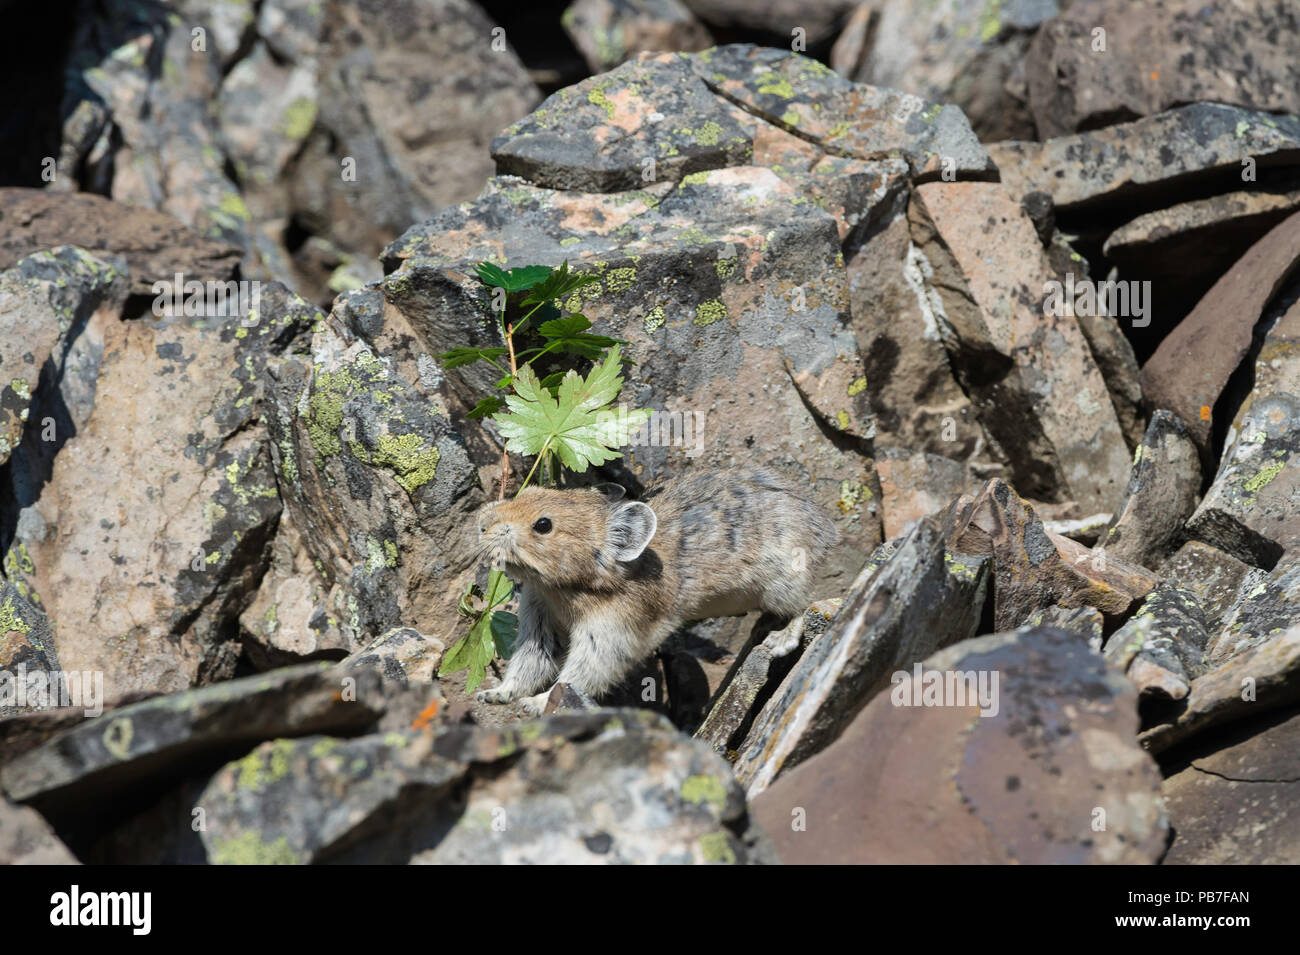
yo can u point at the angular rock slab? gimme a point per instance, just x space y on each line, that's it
1238 805
847 119
1162 647
1033 569
1162 493
403 655
1053 777
950 51
377 481
921 598
155 246
611 786
1263 675
732 298
1126 166
606 32
1159 55
1251 508
600 135
27 648
46 300
736 703
1192 365
142 745
1208 574
1030 373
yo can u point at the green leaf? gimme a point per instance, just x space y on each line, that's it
516 280
487 635
459 357
489 405
559 284
565 327
505 631
577 423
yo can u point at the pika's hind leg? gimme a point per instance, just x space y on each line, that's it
533 664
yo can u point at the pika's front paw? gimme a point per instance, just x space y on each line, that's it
498 694
534 705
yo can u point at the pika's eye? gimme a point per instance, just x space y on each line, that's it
542 525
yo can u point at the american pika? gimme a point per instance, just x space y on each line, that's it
602 582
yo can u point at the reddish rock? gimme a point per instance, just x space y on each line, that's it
1044 780
1189 370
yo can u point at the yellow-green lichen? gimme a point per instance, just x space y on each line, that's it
299 118
263 766
716 848
597 97
413 464
620 280
857 386
706 313
252 849
654 319
703 788
1262 479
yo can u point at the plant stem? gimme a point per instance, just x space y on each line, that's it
514 370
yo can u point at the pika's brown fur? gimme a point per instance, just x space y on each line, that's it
603 582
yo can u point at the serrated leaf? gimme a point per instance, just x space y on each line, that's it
565 327
559 284
516 280
575 423
505 631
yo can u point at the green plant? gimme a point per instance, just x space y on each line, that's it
561 419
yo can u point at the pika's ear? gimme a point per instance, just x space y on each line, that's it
613 492
630 529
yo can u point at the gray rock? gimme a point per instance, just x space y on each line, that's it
1026 367
1250 509
376 480
1162 647
607 32
949 51
1126 166
1158 55
920 599
1162 493
140 748
604 786
1208 574
1085 621
763 664
846 119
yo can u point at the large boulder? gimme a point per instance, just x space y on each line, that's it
1101 61
611 786
1012 771
148 534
